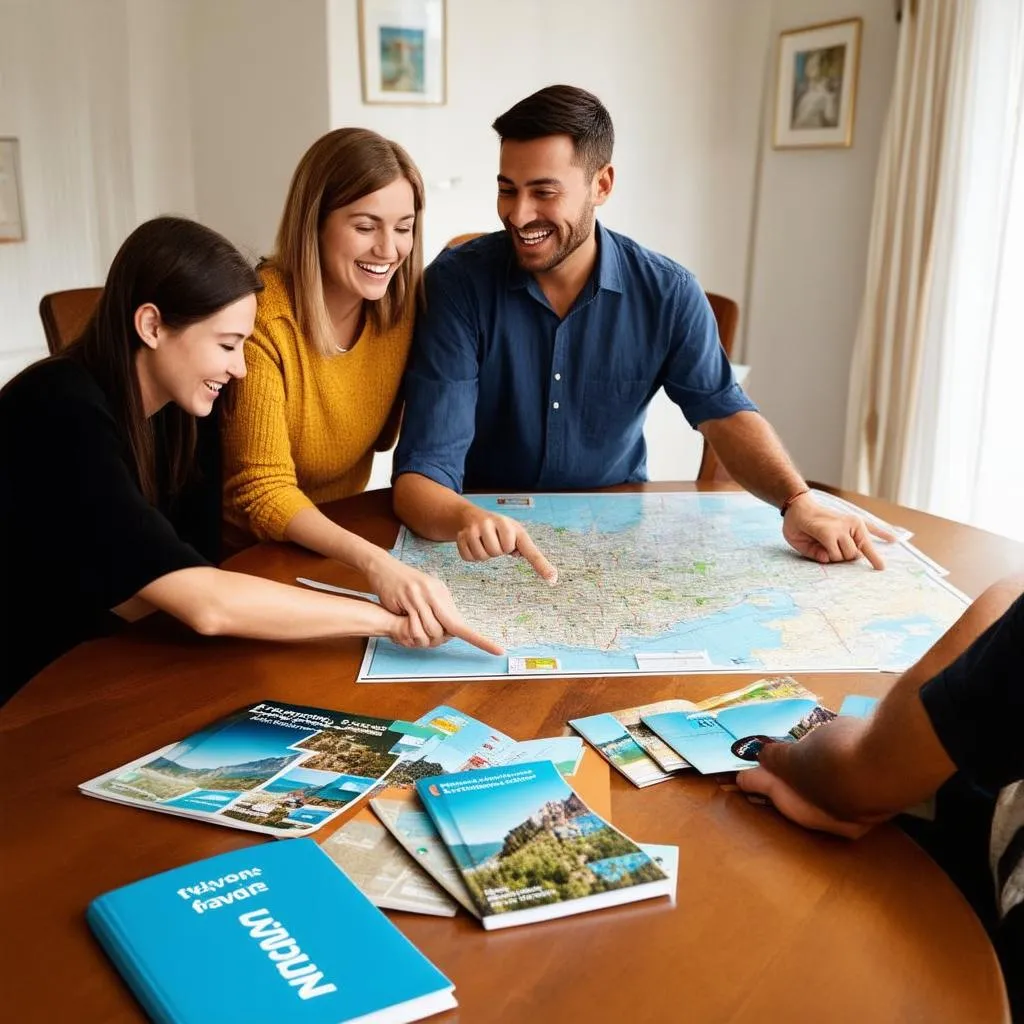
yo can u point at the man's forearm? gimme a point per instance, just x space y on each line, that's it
751 451
429 508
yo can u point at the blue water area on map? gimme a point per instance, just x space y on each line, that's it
917 633
730 637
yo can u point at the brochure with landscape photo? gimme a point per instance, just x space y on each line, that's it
630 746
386 874
530 849
628 743
705 738
280 769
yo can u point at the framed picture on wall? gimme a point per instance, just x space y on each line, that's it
816 87
12 222
402 51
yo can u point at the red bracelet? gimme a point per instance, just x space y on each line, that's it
789 501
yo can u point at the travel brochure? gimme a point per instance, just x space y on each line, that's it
631 746
404 866
529 849
280 769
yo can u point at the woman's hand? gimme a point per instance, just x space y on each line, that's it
425 608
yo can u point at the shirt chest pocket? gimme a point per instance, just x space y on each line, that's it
611 406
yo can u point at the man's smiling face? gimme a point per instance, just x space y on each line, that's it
545 200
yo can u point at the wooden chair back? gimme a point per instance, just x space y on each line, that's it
65 314
727 316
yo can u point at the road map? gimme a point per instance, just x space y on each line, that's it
655 583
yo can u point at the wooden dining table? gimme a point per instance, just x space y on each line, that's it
770 922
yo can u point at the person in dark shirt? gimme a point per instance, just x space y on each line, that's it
109 508
542 345
952 728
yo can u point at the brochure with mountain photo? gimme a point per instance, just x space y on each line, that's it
529 849
280 769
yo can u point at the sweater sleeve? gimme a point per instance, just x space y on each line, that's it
260 485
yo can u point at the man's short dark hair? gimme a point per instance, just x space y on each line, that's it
563 110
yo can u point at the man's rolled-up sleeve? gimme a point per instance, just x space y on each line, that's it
698 376
440 386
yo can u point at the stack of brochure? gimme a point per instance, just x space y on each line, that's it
632 742
396 854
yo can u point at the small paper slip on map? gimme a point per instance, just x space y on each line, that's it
515 500
673 661
528 666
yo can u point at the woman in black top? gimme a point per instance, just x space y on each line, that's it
110 497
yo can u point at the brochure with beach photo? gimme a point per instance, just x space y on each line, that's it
706 738
280 769
529 849
629 744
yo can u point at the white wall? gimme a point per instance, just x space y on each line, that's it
810 250
259 97
102 141
682 82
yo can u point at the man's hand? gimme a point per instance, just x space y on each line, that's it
795 807
425 608
487 535
827 536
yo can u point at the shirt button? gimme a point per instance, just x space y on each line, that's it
558 376
554 405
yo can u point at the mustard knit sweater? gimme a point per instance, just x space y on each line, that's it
305 426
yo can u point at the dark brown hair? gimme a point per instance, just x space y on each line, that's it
189 273
340 167
563 110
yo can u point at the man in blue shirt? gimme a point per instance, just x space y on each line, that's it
542 345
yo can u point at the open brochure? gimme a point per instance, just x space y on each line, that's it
281 769
707 738
529 849
630 746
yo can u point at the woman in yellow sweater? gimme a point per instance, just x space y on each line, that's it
333 328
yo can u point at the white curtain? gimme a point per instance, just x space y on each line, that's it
938 362
919 137
965 458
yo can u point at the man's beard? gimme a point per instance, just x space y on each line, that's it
578 233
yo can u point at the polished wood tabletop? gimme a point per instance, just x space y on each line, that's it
771 923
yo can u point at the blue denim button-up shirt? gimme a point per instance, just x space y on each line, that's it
503 395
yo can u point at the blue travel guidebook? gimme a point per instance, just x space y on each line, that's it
266 934
529 849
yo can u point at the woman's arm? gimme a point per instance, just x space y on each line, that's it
216 602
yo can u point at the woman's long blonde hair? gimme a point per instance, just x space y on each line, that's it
340 167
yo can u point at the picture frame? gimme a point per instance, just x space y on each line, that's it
12 219
816 85
402 51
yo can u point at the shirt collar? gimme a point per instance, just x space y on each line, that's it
608 271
